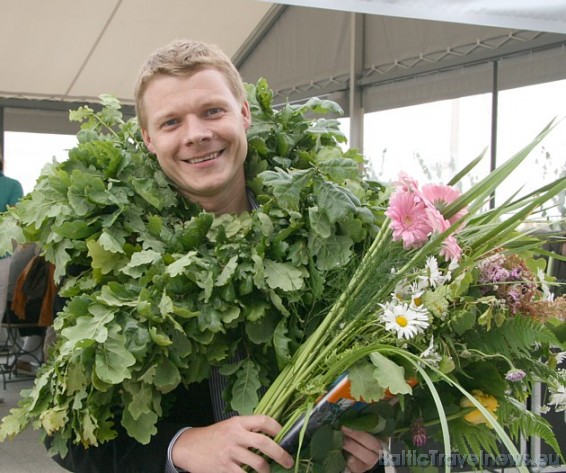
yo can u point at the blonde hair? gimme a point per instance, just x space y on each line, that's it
183 57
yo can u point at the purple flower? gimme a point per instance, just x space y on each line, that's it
418 432
515 375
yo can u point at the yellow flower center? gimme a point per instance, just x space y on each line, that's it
401 320
418 301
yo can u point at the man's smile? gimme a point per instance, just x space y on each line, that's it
204 158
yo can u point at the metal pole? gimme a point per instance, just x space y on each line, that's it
355 91
494 106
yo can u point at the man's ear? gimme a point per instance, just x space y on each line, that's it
147 141
247 114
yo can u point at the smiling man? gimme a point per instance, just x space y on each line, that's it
192 109
196 126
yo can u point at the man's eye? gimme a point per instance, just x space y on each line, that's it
213 111
170 122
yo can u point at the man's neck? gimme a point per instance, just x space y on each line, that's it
227 205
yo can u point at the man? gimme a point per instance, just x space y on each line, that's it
192 109
10 193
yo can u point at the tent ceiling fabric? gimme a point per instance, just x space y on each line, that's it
74 50
64 51
536 15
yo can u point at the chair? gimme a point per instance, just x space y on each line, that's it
13 349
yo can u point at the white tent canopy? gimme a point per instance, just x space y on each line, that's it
61 53
536 15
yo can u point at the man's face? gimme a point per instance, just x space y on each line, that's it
197 129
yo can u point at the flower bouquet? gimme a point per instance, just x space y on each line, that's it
450 312
418 293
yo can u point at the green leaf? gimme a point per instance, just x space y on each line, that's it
115 294
77 230
326 448
370 422
320 223
287 187
322 443
142 398
137 338
261 331
283 276
245 390
331 253
111 242
462 321
158 338
228 271
13 423
167 376
281 343
142 428
337 201
102 259
389 374
54 419
112 358
179 266
150 193
364 385
135 268
196 230
485 376
77 379
90 328
338 168
266 224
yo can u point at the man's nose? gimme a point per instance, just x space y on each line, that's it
196 131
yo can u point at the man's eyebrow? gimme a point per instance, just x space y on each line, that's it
213 101
161 117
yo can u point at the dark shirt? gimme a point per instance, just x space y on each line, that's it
125 455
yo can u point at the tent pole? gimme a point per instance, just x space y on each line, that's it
356 110
494 111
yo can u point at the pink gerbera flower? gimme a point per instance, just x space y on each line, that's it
406 183
450 249
440 196
409 221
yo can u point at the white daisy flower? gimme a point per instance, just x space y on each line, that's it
560 357
454 264
558 398
402 290
433 276
416 297
547 294
404 321
431 355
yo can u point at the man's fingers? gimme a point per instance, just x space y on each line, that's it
364 450
363 438
260 423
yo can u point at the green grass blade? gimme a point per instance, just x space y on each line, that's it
484 188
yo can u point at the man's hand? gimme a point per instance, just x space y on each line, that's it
363 450
228 445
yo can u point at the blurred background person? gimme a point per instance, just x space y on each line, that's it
10 192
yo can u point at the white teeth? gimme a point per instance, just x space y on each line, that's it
205 158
